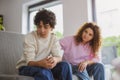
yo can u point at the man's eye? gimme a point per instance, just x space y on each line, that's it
46 26
39 26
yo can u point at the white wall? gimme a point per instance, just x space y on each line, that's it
75 12
12 12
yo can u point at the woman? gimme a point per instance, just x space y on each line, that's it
81 50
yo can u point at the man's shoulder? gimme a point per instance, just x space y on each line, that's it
53 36
30 34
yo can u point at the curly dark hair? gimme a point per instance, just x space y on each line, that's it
47 16
95 43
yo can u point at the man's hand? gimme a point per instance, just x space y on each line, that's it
43 63
52 61
48 62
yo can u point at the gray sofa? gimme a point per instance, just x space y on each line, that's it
11 49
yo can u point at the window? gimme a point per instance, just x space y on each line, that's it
57 8
108 15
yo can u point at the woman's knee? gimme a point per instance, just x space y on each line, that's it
99 66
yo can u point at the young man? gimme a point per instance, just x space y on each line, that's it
42 52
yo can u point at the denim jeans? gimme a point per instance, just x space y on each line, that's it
96 70
81 75
62 71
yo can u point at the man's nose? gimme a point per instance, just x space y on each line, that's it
42 29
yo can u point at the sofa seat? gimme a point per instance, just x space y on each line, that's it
19 77
14 77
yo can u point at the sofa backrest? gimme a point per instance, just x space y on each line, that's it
11 48
109 53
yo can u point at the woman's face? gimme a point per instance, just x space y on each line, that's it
87 35
43 29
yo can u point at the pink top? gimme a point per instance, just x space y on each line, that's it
76 53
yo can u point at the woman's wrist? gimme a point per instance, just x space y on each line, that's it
87 62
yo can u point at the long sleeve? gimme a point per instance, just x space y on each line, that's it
29 48
96 58
56 48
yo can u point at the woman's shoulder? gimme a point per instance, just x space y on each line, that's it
67 39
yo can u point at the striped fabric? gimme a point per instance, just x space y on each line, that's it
11 48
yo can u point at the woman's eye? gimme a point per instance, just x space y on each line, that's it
90 34
85 31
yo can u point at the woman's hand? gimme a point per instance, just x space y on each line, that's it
82 66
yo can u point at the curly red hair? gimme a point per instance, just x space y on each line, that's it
95 43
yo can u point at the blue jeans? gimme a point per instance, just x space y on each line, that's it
62 71
96 70
81 75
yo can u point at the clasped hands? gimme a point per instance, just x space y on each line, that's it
48 62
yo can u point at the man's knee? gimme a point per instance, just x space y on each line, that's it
44 72
64 64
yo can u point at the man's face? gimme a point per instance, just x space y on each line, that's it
43 29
